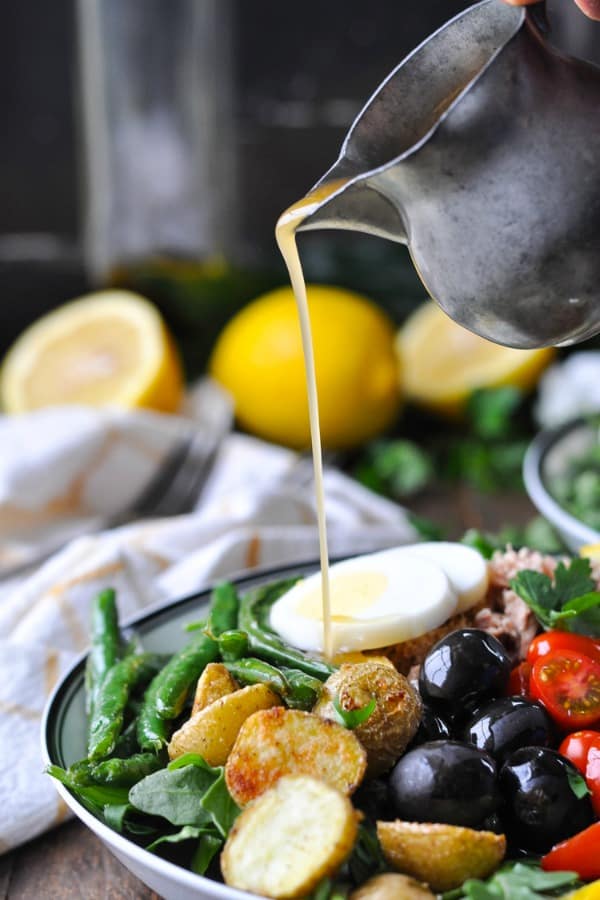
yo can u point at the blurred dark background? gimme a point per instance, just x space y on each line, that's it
298 75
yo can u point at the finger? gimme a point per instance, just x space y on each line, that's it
590 7
522 2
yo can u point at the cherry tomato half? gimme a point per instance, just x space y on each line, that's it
568 685
577 746
562 640
518 683
583 749
577 854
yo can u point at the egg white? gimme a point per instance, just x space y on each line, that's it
399 596
383 598
465 567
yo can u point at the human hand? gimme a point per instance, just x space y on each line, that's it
590 7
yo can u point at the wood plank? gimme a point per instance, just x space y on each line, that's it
6 866
67 864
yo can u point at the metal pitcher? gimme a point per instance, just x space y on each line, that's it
481 151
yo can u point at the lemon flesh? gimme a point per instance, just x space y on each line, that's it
258 359
442 362
110 348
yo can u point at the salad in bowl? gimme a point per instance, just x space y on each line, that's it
449 746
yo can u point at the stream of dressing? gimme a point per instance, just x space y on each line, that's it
285 233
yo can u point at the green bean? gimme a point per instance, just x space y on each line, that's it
181 673
233 645
127 742
223 612
297 689
126 772
255 607
106 644
111 700
80 772
256 671
152 731
305 690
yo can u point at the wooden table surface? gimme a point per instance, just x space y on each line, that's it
70 862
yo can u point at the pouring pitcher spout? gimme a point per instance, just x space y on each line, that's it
363 190
479 151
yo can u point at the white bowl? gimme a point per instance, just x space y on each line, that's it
547 456
64 729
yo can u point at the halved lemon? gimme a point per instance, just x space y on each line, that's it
442 362
110 348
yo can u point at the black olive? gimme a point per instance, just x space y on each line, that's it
373 799
540 806
463 669
502 726
493 823
431 728
445 781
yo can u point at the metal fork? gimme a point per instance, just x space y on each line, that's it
180 489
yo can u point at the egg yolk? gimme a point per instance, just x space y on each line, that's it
351 594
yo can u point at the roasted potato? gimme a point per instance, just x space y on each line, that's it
442 855
279 742
357 656
283 844
214 683
212 731
391 886
395 719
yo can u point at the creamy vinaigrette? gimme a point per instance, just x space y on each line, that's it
285 233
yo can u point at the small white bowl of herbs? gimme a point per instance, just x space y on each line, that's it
561 472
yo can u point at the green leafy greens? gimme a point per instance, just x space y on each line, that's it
515 881
569 602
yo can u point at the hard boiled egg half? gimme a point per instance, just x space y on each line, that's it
383 598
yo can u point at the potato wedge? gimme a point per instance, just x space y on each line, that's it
212 731
280 742
442 855
214 683
395 719
391 886
296 833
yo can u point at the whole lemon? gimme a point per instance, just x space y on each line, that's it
258 358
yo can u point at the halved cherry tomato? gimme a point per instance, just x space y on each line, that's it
518 683
577 746
583 749
562 640
568 685
577 854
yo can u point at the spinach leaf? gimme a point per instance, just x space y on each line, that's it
94 796
114 816
514 881
187 833
208 846
191 759
175 794
220 805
